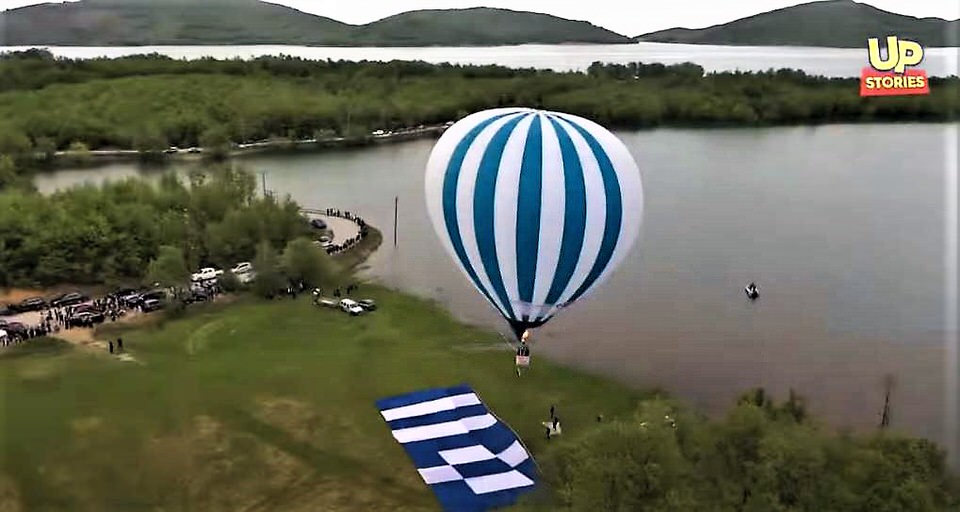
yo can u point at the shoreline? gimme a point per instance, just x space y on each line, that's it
66 160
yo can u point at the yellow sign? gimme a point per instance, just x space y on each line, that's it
901 54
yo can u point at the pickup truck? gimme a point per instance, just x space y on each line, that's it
206 274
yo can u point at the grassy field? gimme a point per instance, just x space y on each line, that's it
259 406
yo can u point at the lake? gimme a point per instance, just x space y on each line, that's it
844 230
834 62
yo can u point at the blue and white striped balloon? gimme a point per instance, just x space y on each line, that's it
537 208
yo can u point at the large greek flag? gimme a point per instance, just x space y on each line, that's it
471 460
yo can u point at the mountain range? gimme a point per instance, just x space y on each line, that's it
829 23
236 22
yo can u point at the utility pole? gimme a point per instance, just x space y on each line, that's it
263 181
396 207
888 382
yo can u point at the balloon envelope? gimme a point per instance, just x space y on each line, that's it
537 208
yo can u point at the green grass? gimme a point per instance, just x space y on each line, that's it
260 406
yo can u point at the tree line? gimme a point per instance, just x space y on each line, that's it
150 102
762 457
117 233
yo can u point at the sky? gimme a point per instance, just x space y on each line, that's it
606 13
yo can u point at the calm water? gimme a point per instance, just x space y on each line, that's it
818 61
842 229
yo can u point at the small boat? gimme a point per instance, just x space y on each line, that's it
752 291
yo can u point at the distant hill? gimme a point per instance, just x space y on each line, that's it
214 22
481 27
165 22
831 23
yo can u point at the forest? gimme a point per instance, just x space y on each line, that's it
151 102
111 234
762 456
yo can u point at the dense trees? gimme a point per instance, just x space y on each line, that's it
169 268
304 261
762 457
113 233
149 101
267 265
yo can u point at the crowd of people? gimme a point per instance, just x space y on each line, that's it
54 319
17 333
352 241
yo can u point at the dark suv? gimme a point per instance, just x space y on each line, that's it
31 304
68 299
89 309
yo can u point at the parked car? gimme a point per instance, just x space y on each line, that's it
318 223
171 150
351 306
68 299
151 305
132 299
15 328
194 150
206 274
86 308
153 295
198 296
368 304
324 239
85 317
242 267
31 304
6 311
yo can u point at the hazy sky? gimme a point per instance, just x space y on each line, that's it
607 13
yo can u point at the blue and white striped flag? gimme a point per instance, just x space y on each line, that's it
471 460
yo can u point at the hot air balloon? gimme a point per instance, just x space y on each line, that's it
537 208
